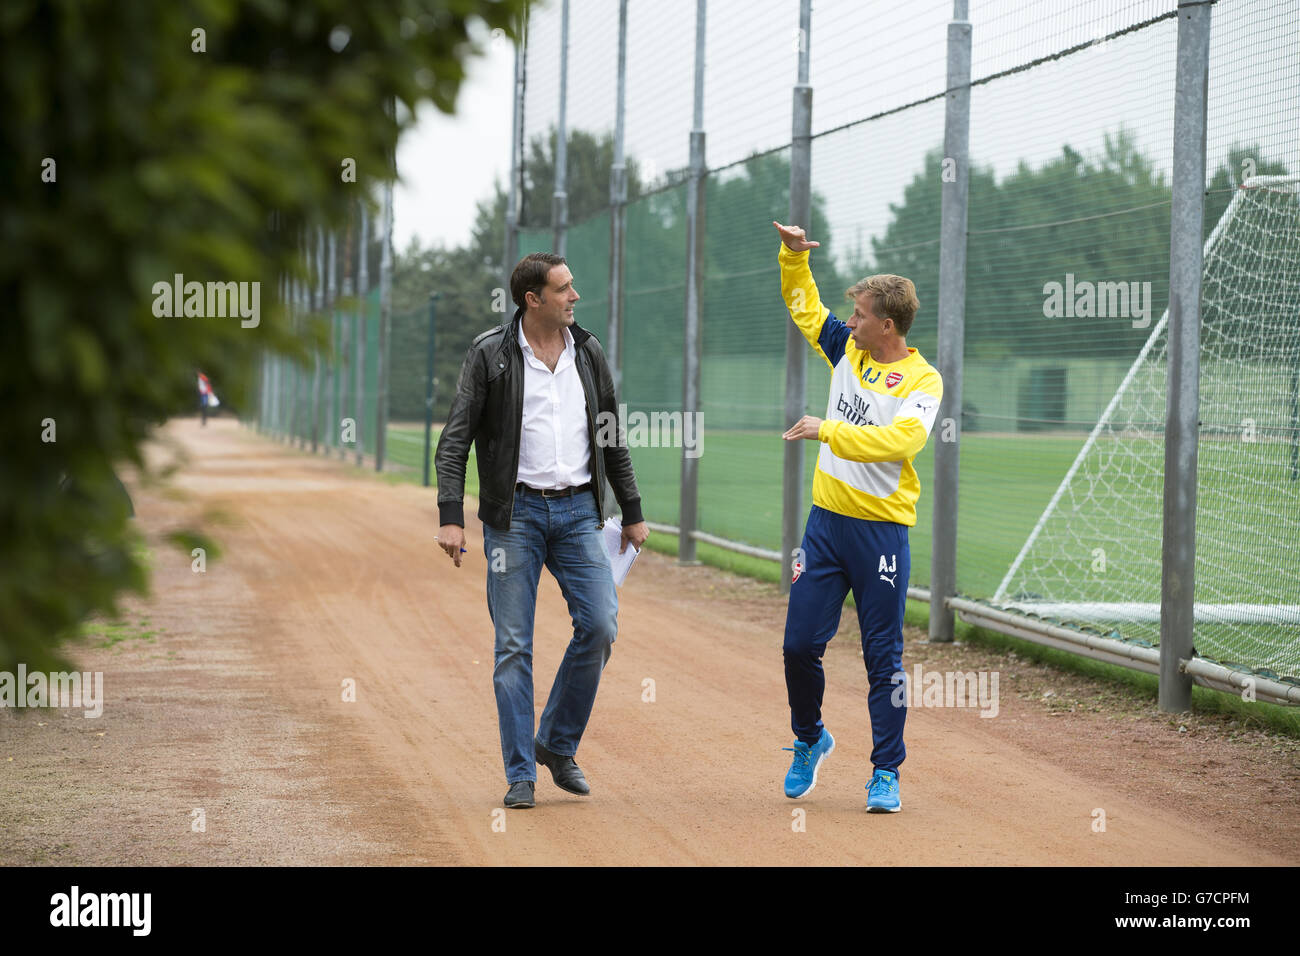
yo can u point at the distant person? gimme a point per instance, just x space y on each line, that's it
528 397
207 397
883 400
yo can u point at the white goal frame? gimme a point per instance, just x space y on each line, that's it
1138 611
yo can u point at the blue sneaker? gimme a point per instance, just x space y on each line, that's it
882 793
801 779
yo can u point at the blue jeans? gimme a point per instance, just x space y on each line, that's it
564 534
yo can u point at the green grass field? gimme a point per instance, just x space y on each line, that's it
406 447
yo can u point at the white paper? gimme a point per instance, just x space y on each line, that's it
619 564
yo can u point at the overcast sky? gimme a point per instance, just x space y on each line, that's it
448 163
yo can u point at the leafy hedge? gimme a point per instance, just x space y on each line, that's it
141 140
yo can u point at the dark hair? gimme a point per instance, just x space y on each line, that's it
530 274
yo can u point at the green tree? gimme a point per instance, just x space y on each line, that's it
1099 219
741 249
1104 218
470 279
743 316
588 161
468 304
910 244
144 140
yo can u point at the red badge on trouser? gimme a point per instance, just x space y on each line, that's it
892 379
798 570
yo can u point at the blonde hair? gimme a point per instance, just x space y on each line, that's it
893 297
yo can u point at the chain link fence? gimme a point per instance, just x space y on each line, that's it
1071 180
335 398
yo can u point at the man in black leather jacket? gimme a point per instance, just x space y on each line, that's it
533 398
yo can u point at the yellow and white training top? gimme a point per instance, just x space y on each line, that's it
878 416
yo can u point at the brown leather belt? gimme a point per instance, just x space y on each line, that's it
552 493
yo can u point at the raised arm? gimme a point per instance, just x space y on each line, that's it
825 333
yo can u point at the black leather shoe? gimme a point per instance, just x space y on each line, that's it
520 796
563 770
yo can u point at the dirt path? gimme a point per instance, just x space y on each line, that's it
235 707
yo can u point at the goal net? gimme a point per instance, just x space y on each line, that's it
1094 557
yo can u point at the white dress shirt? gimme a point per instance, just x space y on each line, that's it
554 447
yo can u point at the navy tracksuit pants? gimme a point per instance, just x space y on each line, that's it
872 559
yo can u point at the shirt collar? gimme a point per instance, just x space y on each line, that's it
568 341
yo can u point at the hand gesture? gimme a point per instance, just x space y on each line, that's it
806 427
451 538
795 238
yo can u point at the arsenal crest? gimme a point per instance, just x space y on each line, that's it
892 379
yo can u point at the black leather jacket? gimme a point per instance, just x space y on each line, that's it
488 412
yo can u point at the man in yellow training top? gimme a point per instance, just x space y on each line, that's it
883 401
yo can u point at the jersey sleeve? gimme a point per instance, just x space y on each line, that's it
902 439
825 333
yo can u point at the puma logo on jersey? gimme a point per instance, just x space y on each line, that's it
890 579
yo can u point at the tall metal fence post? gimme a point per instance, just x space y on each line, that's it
261 393
273 370
268 369
385 320
955 187
618 215
516 137
263 402
693 332
300 319
286 382
302 393
317 302
277 393
332 431
277 368
428 387
346 330
1182 407
281 377
294 370
286 370
560 213
362 320
796 350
